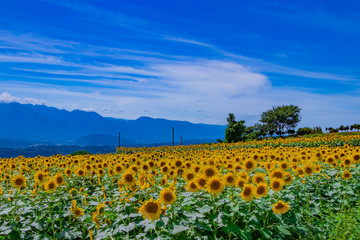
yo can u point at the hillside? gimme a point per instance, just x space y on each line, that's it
38 124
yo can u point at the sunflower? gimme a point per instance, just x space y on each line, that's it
50 185
192 187
300 171
210 171
178 163
356 157
261 190
151 209
77 212
249 165
59 179
237 167
128 178
101 172
240 183
164 181
67 172
18 181
276 184
167 196
201 182
145 167
346 174
259 178
284 165
189 176
165 169
308 169
229 179
80 172
330 160
288 178
215 185
277 173
280 207
39 176
248 192
346 162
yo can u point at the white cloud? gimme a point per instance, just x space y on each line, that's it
7 98
89 109
34 101
211 77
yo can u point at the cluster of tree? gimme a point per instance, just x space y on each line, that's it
307 130
343 128
279 120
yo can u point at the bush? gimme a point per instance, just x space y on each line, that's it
81 152
307 131
304 131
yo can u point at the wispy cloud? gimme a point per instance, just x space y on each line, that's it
6 97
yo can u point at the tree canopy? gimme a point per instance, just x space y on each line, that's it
235 130
281 118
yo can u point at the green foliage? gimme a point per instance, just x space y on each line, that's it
307 131
81 152
281 118
235 130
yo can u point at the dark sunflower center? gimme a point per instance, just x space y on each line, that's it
260 190
168 197
278 175
129 178
19 181
202 182
230 179
249 165
209 172
59 179
215 185
247 191
193 186
276 184
190 176
279 206
151 207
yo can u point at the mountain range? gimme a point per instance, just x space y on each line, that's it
23 125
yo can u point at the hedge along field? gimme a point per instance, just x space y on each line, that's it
301 188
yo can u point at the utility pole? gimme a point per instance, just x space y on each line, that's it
119 139
173 139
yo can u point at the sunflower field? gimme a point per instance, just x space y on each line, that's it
292 188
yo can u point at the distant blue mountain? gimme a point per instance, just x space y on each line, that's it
39 124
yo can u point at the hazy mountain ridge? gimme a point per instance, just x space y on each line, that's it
38 124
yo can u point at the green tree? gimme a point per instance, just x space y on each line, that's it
281 118
235 130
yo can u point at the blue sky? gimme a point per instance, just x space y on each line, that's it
184 60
